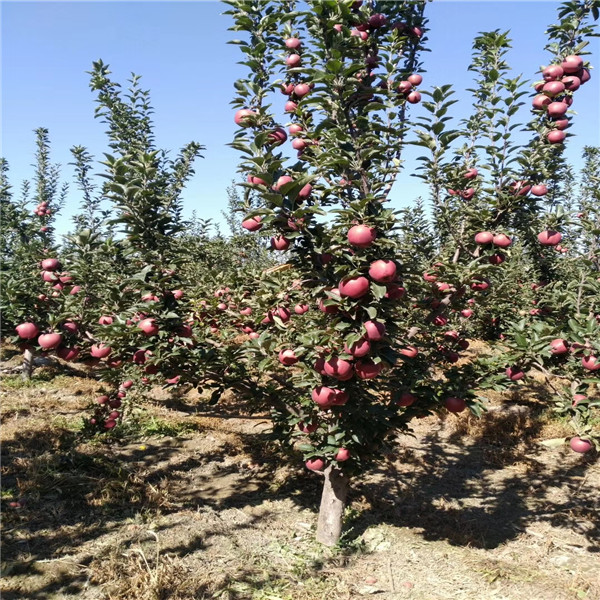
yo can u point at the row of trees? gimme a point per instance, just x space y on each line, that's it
344 317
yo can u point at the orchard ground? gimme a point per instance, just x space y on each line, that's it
194 501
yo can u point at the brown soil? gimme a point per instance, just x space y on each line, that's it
464 509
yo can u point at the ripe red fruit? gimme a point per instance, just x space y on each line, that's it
148 326
367 369
539 190
338 368
455 405
102 400
27 331
301 90
553 72
376 21
252 223
584 75
361 236
549 237
305 192
409 351
354 287
293 43
48 341
591 363
497 259
406 399
293 60
375 330
338 27
279 242
414 98
300 309
466 313
294 129
323 396
283 180
484 237
579 445
67 353
556 136
359 349
315 464
245 117
415 79
480 286
572 63
501 240
283 313
541 101
49 276
277 136
342 455
105 320
514 373
559 346
308 427
363 35
562 124
290 106
288 357
553 88
404 87
383 271
110 424
127 384
572 83
470 174
299 144
50 264
577 398
557 109
100 350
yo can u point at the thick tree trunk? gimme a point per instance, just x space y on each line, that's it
27 366
333 502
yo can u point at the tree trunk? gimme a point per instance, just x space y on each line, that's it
333 502
27 366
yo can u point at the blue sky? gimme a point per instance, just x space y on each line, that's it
180 50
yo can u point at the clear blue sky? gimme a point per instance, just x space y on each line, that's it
180 50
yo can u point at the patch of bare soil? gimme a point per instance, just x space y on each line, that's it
463 509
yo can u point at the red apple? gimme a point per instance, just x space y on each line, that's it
295 129
148 326
367 369
68 353
100 350
290 106
484 237
102 400
559 346
557 109
279 242
293 43
404 87
288 357
283 313
556 136
301 90
413 98
466 313
49 276
470 174
553 72
584 75
409 351
480 286
561 124
572 63
549 237
406 399
338 368
415 79
591 363
308 427
354 287
27 331
501 240
283 180
315 464
497 259
323 396
514 373
579 445
127 384
245 117
300 309
342 455
361 236
539 190
48 341
553 88
277 136
383 271
541 101
359 349
577 398
455 405
293 60
375 330
50 264
105 320
305 191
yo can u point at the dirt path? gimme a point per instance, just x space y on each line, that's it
464 509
